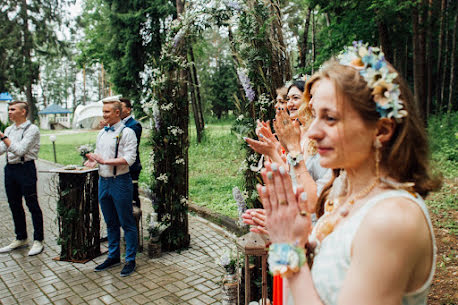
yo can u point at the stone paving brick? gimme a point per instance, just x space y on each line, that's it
196 301
41 300
75 299
108 299
140 299
206 299
62 302
188 277
26 302
162 302
157 293
191 295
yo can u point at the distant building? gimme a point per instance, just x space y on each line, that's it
55 117
5 98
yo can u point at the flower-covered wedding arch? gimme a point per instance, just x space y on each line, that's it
255 31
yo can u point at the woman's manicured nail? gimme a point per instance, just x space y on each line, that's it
244 138
274 167
264 190
261 136
270 175
304 196
282 170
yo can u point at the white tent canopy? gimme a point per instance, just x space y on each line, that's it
88 116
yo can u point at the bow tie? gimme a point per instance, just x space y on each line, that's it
108 128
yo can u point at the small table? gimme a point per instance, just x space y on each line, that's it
78 214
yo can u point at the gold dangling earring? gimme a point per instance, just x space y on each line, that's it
378 147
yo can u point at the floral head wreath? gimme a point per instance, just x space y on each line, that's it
371 63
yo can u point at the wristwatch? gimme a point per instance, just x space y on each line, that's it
3 138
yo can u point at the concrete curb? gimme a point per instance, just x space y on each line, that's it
217 219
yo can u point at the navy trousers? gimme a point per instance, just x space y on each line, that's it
115 198
136 197
21 181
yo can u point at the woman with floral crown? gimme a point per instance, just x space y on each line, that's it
374 242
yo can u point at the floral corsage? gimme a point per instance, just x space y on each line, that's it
285 259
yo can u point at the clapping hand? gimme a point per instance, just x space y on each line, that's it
287 131
267 144
256 219
286 218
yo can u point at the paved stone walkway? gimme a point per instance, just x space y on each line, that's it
189 277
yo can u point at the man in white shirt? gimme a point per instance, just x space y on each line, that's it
21 142
115 152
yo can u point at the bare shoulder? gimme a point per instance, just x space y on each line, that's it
396 220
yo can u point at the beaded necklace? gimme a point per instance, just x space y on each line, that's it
335 210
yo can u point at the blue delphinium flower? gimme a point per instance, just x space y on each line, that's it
246 84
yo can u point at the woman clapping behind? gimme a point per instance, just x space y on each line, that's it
293 149
374 242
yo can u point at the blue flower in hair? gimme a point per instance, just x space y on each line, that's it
372 66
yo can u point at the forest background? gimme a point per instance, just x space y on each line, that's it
221 61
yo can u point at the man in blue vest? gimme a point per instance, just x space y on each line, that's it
115 152
135 168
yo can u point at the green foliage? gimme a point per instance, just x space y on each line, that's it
443 139
124 36
3 126
443 203
214 168
216 70
223 86
27 31
262 65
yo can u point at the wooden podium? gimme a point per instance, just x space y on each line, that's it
78 214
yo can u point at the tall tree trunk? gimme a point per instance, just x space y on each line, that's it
384 39
419 60
281 71
99 83
429 66
452 64
102 72
43 91
26 52
328 20
84 85
174 197
197 91
445 65
304 48
443 14
74 95
194 104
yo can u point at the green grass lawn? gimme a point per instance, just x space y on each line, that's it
66 146
213 164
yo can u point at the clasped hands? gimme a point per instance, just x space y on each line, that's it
285 217
93 159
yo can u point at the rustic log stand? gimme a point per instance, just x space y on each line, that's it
78 215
